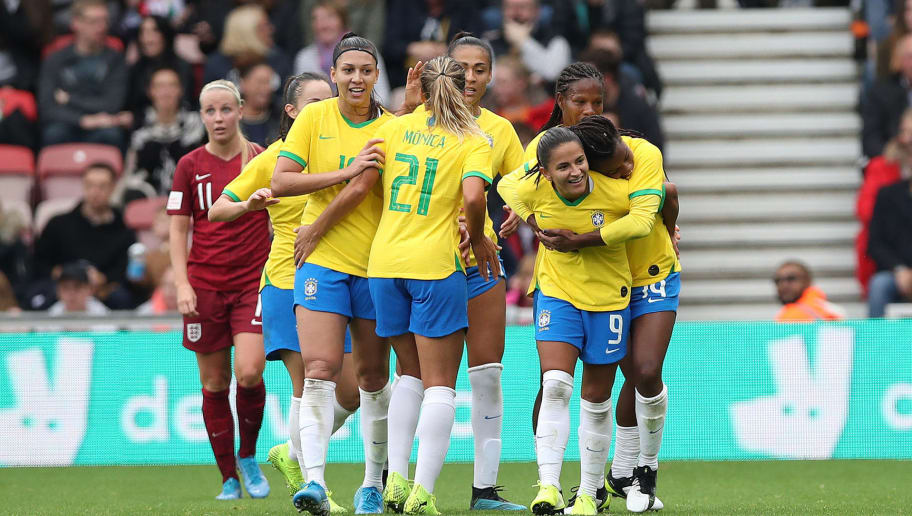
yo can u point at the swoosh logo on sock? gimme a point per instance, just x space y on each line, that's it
375 442
595 451
656 430
493 417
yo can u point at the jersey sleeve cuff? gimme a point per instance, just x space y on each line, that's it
231 194
646 192
476 174
292 156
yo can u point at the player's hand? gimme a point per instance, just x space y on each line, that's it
533 224
370 156
558 240
305 243
510 224
413 87
261 199
517 33
465 243
675 238
186 300
486 257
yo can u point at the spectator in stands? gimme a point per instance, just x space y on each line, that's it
260 122
542 49
92 231
801 299
25 28
168 131
155 45
515 98
884 103
625 20
625 98
83 86
328 23
74 291
285 17
901 27
519 282
890 246
418 30
247 40
164 298
367 18
14 258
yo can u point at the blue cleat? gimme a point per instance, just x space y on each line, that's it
489 499
254 481
231 490
368 500
313 499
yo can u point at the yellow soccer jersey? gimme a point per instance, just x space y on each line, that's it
323 140
279 270
529 156
593 278
422 191
652 258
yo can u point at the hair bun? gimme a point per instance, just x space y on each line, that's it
462 34
349 35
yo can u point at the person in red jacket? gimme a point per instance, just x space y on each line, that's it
802 300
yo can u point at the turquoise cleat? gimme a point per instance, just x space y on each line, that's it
489 499
231 490
368 500
254 481
313 499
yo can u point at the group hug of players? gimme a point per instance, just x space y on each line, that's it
382 240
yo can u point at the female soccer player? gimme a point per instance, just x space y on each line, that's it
581 306
250 192
655 269
329 144
217 288
435 160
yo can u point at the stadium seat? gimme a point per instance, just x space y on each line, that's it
60 42
46 210
60 166
140 214
17 173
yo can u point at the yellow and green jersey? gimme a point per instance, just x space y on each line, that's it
422 192
322 140
279 270
592 278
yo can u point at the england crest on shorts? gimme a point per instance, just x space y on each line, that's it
544 318
194 332
598 219
310 287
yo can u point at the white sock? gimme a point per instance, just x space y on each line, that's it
438 412
316 426
487 419
626 451
650 414
340 415
553 425
405 405
594 442
374 409
294 436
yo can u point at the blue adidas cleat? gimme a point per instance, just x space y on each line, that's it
489 499
368 500
231 490
254 481
313 499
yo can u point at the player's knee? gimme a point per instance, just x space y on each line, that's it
596 393
249 376
321 370
649 373
349 399
216 382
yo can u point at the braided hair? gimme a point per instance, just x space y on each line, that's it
572 73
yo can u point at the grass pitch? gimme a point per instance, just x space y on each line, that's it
820 487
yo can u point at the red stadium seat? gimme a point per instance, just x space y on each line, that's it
140 214
17 173
64 40
60 166
46 210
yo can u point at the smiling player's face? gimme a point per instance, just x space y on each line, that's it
568 170
355 74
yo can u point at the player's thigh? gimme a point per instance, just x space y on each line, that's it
407 363
215 369
556 355
598 380
370 353
294 364
347 393
487 325
322 339
249 359
440 358
650 336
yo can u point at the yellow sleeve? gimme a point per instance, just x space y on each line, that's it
257 174
636 224
508 188
513 156
479 160
648 175
384 133
297 142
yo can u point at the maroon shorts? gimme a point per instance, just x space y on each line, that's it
222 315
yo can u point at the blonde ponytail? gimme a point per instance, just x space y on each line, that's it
443 83
230 86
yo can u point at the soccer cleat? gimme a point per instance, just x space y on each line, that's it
421 502
618 486
641 497
396 492
602 499
254 482
368 500
547 501
231 490
334 508
584 504
290 470
313 499
489 499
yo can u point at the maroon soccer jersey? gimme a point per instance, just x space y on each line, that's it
223 255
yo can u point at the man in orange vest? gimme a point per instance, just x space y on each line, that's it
803 301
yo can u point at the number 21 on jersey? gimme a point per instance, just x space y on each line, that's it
427 185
